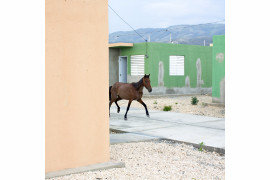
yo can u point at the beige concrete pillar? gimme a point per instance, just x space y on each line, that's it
76 84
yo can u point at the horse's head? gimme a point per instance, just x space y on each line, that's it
146 82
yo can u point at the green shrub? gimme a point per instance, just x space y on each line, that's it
204 104
194 101
176 103
201 146
167 108
155 102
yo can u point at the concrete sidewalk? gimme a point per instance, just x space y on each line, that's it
192 129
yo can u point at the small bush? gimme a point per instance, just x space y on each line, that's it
194 101
201 146
176 103
204 104
167 108
155 102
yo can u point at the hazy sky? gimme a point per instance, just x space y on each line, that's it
163 13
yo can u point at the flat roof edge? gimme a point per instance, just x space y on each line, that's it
121 45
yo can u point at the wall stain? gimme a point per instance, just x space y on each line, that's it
187 82
199 73
222 90
161 74
220 57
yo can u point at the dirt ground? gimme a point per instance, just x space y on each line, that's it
180 104
162 160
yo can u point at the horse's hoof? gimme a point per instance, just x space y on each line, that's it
118 111
125 119
148 115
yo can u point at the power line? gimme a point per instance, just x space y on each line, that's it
126 35
126 22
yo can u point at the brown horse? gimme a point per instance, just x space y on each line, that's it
130 92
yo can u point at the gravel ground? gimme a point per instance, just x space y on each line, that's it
158 160
180 104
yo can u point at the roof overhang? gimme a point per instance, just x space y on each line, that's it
120 45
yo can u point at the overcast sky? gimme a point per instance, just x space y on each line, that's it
163 13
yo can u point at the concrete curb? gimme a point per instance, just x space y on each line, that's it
122 138
173 95
94 167
220 151
147 140
215 104
117 131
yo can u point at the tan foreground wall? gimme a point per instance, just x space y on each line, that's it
76 84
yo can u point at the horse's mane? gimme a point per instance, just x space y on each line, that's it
138 84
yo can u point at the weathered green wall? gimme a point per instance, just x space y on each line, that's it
161 52
218 71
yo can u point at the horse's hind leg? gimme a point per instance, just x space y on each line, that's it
118 108
140 101
110 103
113 98
129 102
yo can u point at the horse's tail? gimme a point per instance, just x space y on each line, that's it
110 92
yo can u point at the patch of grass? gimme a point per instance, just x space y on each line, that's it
155 102
204 104
167 108
176 103
201 146
194 100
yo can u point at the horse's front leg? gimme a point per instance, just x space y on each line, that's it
146 110
129 102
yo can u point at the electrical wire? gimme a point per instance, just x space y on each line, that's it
146 56
166 30
126 23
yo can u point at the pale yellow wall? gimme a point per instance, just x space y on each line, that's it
76 84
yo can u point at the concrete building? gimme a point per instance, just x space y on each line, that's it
174 68
76 71
218 72
114 58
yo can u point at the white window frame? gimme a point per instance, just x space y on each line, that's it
177 65
137 65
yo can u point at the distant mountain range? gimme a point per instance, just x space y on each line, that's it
180 34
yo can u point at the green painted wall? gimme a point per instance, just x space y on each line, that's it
218 62
161 52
